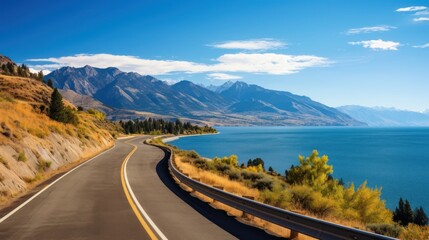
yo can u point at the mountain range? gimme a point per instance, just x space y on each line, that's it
236 103
383 117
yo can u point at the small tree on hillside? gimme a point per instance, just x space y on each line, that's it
50 83
56 107
40 76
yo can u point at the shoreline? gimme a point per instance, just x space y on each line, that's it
174 138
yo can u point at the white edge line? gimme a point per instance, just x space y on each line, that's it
45 188
146 216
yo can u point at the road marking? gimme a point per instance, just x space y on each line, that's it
134 203
45 188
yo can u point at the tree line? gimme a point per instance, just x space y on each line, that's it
21 71
160 126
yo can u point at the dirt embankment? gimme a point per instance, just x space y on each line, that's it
32 146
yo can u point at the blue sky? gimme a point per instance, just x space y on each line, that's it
370 53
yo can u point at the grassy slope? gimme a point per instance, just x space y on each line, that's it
34 147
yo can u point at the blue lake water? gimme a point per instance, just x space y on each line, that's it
396 159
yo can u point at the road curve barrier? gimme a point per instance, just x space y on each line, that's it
296 222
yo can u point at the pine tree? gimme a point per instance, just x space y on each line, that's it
403 213
408 213
420 217
56 107
40 76
50 83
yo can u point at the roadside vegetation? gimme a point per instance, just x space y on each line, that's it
308 188
159 126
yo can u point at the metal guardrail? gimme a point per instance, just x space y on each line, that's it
313 227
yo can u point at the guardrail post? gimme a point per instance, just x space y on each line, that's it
293 235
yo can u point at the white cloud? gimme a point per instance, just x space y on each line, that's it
422 46
421 19
380 28
223 76
378 44
426 12
267 63
411 9
256 44
45 72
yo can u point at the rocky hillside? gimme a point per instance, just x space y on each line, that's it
34 147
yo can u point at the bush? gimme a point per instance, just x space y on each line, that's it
233 174
201 164
192 154
222 167
22 157
253 176
391 230
263 183
43 165
278 197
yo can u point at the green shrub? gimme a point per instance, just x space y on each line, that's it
278 197
201 164
22 157
43 165
263 183
222 167
391 230
233 174
252 176
192 154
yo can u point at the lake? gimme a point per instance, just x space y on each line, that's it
396 159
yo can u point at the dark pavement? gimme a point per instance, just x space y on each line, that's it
89 203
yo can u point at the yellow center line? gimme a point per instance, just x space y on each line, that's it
130 201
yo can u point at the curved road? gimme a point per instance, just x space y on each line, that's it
90 203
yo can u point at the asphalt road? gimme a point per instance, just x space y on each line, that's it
90 203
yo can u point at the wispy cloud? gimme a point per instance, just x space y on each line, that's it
421 19
422 46
255 44
223 76
378 44
265 63
411 9
380 28
426 12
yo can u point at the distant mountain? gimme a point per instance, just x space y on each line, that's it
86 80
218 89
200 94
230 104
85 101
252 99
379 116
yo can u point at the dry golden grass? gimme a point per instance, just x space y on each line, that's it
214 179
30 90
16 117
